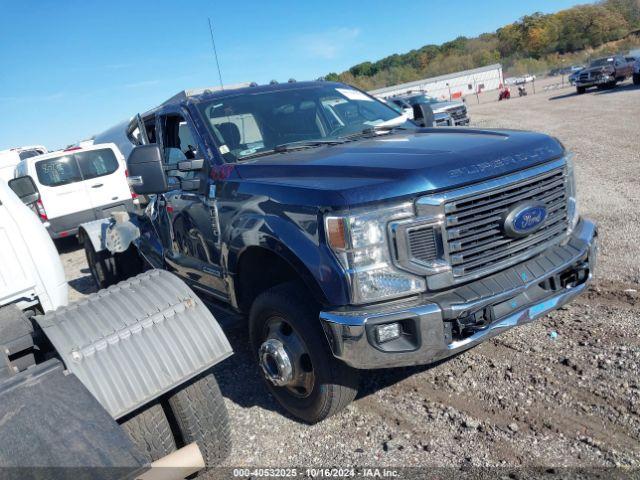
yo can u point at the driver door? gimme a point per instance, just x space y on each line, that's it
190 210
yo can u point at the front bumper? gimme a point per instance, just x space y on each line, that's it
595 81
512 297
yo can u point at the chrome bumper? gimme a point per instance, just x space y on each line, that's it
351 331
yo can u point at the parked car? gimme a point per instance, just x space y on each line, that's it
603 73
72 375
351 238
78 185
9 159
457 110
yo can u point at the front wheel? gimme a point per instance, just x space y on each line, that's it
294 356
636 78
580 90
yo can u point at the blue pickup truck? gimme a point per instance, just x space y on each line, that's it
348 236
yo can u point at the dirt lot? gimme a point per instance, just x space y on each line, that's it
563 391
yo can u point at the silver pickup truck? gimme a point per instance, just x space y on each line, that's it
455 108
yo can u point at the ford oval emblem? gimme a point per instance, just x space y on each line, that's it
524 219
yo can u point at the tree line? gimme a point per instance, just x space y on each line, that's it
533 44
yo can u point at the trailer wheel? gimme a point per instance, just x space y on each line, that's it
108 269
293 353
201 416
151 433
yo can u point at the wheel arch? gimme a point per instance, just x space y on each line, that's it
259 268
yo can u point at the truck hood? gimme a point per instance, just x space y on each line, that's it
400 164
444 106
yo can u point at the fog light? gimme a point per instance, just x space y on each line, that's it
387 332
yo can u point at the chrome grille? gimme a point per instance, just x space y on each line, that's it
474 235
458 113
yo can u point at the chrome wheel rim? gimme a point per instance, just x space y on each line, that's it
284 358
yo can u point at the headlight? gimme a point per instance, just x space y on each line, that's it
361 245
572 199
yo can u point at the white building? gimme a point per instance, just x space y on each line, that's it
450 86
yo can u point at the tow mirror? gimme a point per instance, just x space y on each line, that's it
146 170
25 189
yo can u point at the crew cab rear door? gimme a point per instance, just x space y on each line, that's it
194 253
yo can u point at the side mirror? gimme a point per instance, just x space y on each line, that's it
25 189
146 170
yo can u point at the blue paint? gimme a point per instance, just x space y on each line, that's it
542 307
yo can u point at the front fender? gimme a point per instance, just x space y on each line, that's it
297 243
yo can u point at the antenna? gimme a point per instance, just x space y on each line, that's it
215 52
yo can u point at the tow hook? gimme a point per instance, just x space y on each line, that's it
275 362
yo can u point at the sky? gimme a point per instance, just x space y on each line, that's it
70 69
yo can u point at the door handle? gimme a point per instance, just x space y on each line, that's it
97 185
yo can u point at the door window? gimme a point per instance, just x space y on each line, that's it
59 171
179 145
96 163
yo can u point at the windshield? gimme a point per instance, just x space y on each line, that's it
422 99
601 62
247 124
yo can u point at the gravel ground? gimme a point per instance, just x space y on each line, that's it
561 392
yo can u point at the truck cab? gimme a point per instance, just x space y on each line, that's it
346 235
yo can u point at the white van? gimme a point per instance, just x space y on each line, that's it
9 159
78 185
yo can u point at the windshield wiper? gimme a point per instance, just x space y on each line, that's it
288 147
285 147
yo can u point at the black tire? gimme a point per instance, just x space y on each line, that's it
334 384
636 78
150 432
107 269
201 416
580 90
